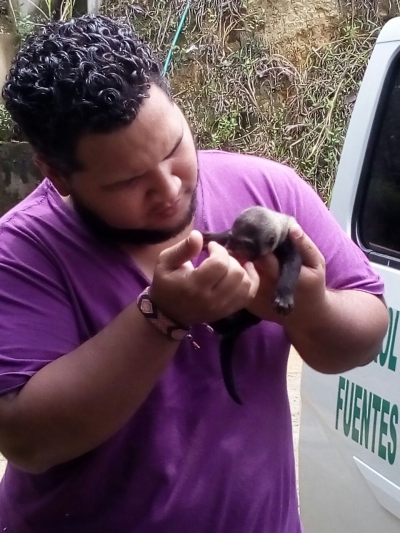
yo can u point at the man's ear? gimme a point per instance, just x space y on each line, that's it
56 178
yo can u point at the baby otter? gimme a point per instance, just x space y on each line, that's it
256 232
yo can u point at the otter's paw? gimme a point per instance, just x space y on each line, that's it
284 304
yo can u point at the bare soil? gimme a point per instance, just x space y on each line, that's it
293 27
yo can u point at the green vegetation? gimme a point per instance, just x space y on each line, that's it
237 93
240 95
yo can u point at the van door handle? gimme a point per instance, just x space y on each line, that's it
385 491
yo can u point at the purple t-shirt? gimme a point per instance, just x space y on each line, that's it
190 460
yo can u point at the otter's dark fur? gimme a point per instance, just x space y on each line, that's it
256 232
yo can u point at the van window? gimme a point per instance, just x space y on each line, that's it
378 225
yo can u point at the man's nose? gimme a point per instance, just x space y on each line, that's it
165 186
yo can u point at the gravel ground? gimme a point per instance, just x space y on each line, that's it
294 376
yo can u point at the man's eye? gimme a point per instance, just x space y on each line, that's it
132 181
125 184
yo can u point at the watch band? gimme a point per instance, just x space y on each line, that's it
168 327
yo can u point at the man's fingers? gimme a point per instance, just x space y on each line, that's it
267 266
310 254
254 278
174 257
214 268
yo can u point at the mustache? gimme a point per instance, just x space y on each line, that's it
111 235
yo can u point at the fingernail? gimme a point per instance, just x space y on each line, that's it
296 231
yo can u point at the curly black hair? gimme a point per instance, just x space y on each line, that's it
89 74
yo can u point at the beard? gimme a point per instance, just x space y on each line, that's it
138 236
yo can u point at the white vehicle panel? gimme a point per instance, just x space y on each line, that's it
349 448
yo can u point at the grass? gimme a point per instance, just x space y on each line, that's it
238 94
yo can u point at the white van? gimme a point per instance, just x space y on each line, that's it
349 449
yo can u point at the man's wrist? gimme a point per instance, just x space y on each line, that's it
158 319
311 318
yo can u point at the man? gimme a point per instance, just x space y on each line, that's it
110 417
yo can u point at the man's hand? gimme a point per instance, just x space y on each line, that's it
310 289
217 288
333 330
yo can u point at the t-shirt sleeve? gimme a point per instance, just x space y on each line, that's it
37 323
347 267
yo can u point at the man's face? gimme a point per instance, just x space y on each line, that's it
138 183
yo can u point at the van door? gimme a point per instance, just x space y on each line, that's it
349 450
